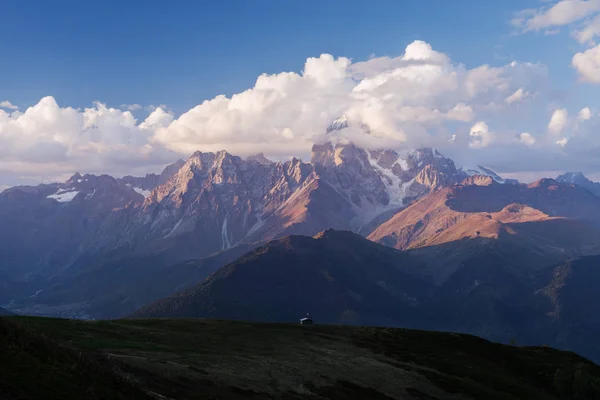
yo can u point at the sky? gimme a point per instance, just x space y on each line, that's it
127 87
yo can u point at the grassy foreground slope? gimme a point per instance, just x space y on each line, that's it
198 359
35 367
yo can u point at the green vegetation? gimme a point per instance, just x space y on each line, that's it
198 359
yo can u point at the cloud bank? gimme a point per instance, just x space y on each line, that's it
419 98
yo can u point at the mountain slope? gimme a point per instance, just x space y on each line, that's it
541 223
487 287
570 300
117 284
466 172
339 277
43 227
196 208
577 178
238 360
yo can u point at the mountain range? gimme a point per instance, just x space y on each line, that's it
220 236
342 278
210 203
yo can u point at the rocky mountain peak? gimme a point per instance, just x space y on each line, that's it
199 160
418 158
169 171
573 177
349 154
338 124
432 178
322 154
479 180
544 182
225 168
385 158
75 178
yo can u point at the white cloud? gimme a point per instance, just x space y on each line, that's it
587 64
47 138
404 100
558 121
480 135
589 30
420 98
562 13
527 139
8 105
562 142
585 114
517 96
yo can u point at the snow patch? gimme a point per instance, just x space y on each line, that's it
479 170
403 164
338 124
396 189
63 196
224 238
141 191
174 228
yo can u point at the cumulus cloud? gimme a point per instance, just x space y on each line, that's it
558 121
419 98
585 114
51 139
404 101
587 63
562 142
527 139
8 105
480 135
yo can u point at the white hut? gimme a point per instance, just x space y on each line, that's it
306 320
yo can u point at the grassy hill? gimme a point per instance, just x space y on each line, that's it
208 359
33 366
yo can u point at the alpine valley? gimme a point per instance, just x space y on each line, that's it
355 237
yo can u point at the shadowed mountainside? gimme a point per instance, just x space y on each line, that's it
340 277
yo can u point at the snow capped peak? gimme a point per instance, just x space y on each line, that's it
75 178
572 177
481 170
338 124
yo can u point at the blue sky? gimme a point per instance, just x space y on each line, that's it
59 58
180 53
